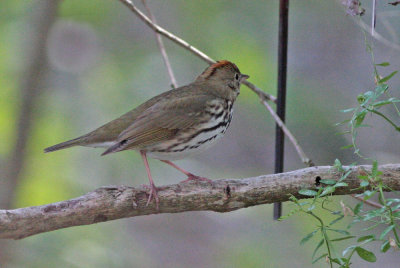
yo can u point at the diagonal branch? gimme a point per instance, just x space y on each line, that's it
307 161
116 202
186 45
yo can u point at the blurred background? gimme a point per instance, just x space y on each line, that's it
67 67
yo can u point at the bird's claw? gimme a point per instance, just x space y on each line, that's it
192 177
153 195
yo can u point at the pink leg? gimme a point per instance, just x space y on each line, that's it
191 176
153 189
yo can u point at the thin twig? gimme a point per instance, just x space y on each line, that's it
307 161
373 24
376 35
116 202
186 45
368 202
261 94
386 21
162 48
165 33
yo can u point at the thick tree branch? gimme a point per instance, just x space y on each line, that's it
115 202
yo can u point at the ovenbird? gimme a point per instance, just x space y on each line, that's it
174 124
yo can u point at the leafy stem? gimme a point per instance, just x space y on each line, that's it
324 235
382 196
384 117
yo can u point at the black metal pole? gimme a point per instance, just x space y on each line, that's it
281 99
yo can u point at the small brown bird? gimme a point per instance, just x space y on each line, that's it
174 124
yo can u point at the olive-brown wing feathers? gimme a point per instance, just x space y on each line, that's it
161 122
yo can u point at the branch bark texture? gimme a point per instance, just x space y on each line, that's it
116 202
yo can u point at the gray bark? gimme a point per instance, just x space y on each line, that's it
115 202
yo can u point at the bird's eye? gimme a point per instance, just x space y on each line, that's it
237 76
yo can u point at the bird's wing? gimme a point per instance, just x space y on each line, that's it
163 120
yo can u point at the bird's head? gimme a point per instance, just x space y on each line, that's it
225 76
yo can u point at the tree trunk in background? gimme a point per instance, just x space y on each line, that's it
43 14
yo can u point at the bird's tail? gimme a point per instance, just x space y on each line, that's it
64 145
119 146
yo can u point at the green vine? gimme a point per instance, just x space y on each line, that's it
386 216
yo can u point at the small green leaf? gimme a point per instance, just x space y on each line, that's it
371 227
311 208
341 184
348 110
303 203
363 238
385 246
358 208
342 238
395 200
364 183
317 247
328 190
339 231
386 231
293 198
292 212
337 261
320 257
342 133
374 213
338 165
381 103
346 147
396 214
307 192
380 89
374 168
327 181
365 254
307 237
360 118
368 194
352 223
386 78
345 175
348 249
336 220
383 64
342 123
337 212
396 207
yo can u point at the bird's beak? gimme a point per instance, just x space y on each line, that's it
243 77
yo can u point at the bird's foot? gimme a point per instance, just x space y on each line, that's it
153 195
192 177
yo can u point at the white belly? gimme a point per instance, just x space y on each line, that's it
181 152
190 143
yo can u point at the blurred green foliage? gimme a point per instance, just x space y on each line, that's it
326 69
